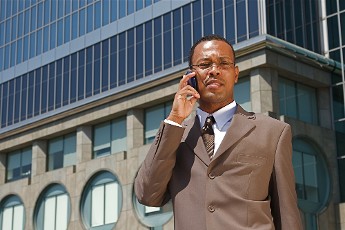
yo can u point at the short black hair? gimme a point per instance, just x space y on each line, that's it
210 37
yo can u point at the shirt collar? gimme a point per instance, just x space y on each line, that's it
221 116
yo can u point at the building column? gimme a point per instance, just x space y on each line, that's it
264 90
135 128
39 157
324 106
84 144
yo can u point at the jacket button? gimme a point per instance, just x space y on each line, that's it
211 208
211 176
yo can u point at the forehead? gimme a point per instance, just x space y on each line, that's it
213 48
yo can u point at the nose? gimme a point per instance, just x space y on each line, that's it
214 69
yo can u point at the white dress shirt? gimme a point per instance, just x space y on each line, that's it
222 117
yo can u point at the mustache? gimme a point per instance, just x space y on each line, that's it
209 78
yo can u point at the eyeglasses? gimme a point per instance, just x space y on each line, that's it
208 65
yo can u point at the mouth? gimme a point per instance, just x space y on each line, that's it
212 83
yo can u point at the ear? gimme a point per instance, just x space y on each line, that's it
236 73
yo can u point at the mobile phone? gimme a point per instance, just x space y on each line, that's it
192 81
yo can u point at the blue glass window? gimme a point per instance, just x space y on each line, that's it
97 18
167 41
177 37
33 18
32 45
74 5
46 12
62 151
196 21
73 88
19 164
230 21
10 103
8 31
187 31
14 28
74 25
122 9
207 13
148 48
105 12
60 9
218 18
113 62
88 81
67 7
6 59
20 25
81 73
52 35
66 80
46 39
96 68
157 45
105 65
24 97
130 7
31 94
26 22
241 20
53 11
17 92
82 22
51 86
58 84
113 11
67 29
89 25
44 89
4 98
13 54
39 42
38 84
60 32
139 52
122 60
19 52
130 55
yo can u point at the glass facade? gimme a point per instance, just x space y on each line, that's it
335 48
138 52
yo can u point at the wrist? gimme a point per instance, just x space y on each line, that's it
175 119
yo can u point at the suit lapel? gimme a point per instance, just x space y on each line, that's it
192 137
239 127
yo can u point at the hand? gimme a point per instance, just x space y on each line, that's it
184 100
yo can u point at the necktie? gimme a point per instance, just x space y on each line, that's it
208 135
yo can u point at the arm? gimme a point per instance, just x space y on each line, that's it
154 175
282 186
151 183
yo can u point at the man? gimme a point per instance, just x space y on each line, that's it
244 180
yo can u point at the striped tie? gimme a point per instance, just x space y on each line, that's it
208 135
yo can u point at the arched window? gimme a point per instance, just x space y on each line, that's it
12 215
312 180
53 208
101 202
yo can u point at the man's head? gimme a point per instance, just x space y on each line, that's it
213 60
209 38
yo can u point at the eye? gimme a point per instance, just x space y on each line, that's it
204 65
225 64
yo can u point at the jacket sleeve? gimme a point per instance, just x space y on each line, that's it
284 207
151 182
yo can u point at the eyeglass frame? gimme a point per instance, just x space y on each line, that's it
219 66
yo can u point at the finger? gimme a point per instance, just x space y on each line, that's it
185 78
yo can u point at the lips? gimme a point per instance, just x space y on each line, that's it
212 83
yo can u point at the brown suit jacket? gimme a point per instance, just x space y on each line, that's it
249 184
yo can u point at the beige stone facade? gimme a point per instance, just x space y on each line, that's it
261 63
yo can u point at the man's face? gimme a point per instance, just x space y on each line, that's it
216 83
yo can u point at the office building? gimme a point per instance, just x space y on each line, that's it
85 84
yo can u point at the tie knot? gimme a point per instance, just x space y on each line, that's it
207 128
